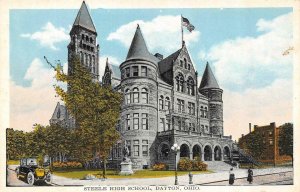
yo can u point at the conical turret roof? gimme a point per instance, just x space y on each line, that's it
138 48
84 18
208 79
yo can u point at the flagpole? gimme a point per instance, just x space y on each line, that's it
181 32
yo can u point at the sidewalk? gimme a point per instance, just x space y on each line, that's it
182 180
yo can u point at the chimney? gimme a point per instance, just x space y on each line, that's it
159 56
249 127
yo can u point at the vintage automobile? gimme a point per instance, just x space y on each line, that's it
30 171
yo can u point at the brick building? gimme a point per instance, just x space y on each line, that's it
162 103
270 134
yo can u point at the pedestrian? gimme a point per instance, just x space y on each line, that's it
250 176
231 177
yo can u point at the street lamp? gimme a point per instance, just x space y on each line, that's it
175 148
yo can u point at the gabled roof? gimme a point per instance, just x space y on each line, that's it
208 79
115 70
60 112
84 19
138 48
167 63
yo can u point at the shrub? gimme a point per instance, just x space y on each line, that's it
160 167
186 164
66 165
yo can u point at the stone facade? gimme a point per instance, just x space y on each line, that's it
162 103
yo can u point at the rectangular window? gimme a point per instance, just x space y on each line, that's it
136 148
127 72
129 147
184 127
144 71
144 97
206 128
191 107
145 121
119 150
135 71
180 105
128 121
135 97
161 103
167 106
168 123
127 98
145 147
190 126
202 128
135 121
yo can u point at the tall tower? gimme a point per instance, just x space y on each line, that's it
139 110
210 88
84 43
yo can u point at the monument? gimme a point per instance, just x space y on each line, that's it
126 164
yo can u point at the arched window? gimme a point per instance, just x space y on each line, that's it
190 86
135 93
161 102
167 103
179 82
185 63
127 96
181 63
144 95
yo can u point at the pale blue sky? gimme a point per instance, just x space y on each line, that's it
215 25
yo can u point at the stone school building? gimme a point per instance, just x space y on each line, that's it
162 103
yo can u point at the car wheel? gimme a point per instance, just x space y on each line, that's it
30 178
48 178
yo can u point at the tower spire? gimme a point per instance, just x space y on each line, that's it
208 79
84 18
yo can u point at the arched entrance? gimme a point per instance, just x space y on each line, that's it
184 151
197 152
226 153
218 152
207 153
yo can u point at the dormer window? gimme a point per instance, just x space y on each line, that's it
135 70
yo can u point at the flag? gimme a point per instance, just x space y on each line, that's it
186 23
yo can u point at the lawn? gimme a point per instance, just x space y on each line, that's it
79 174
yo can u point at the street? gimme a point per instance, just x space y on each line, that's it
270 176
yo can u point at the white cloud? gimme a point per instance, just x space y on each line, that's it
255 61
102 64
163 33
273 103
36 103
48 36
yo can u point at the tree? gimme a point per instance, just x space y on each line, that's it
285 142
254 145
96 110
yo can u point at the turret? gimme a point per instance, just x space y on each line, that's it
210 88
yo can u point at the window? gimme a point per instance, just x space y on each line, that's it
183 124
135 71
91 40
135 121
123 74
136 148
201 111
82 36
128 121
190 126
86 38
145 121
185 63
179 82
205 112
135 95
81 57
193 127
161 102
119 150
270 133
179 124
145 147
191 107
144 71
128 142
168 124
206 127
202 128
190 86
180 105
271 141
181 63
189 66
167 103
86 59
127 72
127 96
144 95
